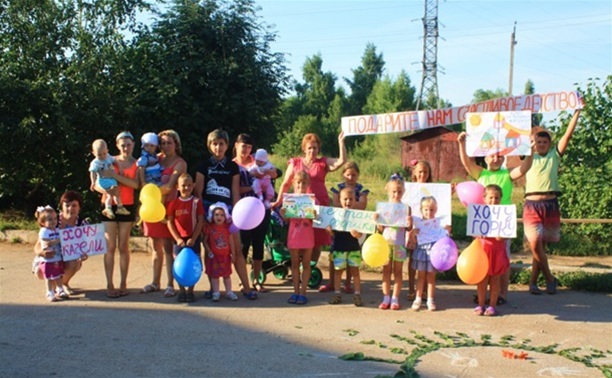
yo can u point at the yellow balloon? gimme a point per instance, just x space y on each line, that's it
150 191
473 264
152 212
375 251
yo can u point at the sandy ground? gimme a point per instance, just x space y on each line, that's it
147 335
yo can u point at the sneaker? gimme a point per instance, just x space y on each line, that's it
416 305
122 210
51 297
108 212
431 305
208 294
357 300
336 299
395 304
535 290
182 297
216 296
61 294
231 296
551 287
384 306
190 297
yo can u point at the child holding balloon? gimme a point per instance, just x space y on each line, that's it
220 250
185 216
300 241
495 249
346 253
421 261
396 239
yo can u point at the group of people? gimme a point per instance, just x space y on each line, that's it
199 214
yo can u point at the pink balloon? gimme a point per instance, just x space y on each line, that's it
443 254
248 213
470 192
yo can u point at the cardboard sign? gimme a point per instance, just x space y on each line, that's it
430 230
392 214
492 220
345 219
84 240
424 119
299 206
501 133
441 192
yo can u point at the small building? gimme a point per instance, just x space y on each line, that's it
439 147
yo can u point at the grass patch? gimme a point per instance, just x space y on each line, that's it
578 280
16 220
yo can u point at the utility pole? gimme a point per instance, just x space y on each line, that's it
512 43
429 82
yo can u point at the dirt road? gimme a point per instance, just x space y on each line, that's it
147 335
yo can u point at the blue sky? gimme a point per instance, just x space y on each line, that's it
559 43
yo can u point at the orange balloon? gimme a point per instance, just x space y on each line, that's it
473 264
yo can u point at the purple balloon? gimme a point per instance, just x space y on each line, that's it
233 229
443 254
248 213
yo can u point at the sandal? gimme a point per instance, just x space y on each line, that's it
293 299
112 293
326 288
384 306
301 300
336 299
150 288
251 295
478 310
535 290
259 287
416 305
182 297
490 311
169 292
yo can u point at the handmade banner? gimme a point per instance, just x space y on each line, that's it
492 220
392 214
424 119
430 230
345 219
441 192
501 133
88 240
299 206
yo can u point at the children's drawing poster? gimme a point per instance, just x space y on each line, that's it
502 133
345 219
84 240
299 206
492 220
441 192
391 214
430 230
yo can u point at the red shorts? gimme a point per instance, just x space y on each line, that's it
542 220
52 270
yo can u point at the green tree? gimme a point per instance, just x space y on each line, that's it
586 171
59 65
484 94
205 65
364 79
